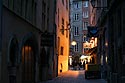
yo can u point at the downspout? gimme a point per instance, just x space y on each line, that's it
0 37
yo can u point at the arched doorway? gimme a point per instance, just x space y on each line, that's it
28 61
13 54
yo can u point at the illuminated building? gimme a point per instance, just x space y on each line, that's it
63 27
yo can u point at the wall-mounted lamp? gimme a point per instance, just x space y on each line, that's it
94 2
64 29
73 43
68 28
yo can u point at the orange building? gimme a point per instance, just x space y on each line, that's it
62 24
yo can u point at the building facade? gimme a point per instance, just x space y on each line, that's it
27 41
109 18
62 24
76 25
86 22
79 20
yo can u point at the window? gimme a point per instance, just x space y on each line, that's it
43 14
63 2
84 38
67 4
43 6
43 20
34 13
58 44
62 31
76 47
76 31
23 9
11 4
76 16
29 10
47 18
85 14
85 24
61 50
58 17
16 5
85 4
67 29
76 5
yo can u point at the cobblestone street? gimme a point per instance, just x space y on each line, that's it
74 77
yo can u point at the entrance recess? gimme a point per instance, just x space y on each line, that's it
13 54
28 62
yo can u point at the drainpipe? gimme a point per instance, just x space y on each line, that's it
0 37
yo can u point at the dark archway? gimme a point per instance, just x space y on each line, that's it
28 62
13 54
29 53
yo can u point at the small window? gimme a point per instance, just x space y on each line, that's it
62 31
63 2
67 4
85 24
76 17
84 38
76 47
76 5
85 4
85 14
61 50
76 31
67 30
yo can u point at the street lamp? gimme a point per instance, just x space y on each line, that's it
93 3
73 43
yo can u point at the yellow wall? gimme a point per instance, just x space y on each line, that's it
62 12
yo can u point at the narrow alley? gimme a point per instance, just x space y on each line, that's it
62 41
74 77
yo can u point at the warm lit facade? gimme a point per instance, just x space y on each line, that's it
62 24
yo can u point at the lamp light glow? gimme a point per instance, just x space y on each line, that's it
73 43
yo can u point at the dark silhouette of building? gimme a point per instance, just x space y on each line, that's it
27 41
109 18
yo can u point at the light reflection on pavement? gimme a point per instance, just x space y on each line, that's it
74 77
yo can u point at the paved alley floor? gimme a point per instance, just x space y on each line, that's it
74 77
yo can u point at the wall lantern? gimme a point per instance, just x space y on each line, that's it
68 28
94 2
73 43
